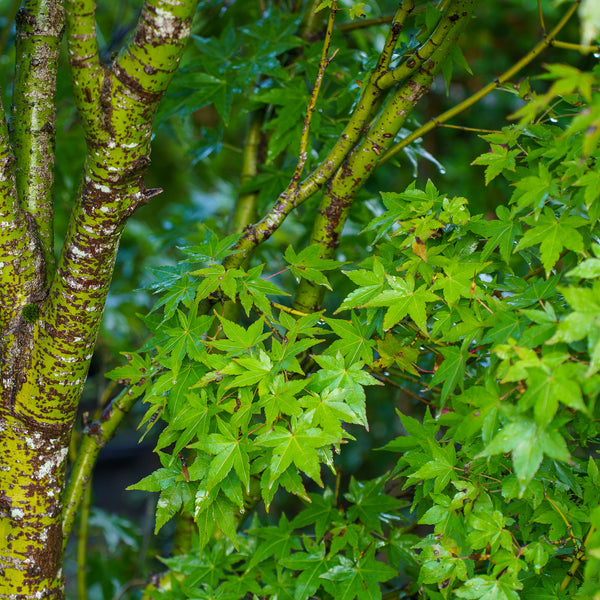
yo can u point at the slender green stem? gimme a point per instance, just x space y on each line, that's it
295 194
365 23
82 542
490 87
577 562
96 436
244 211
312 103
584 49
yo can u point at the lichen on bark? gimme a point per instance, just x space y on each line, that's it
46 350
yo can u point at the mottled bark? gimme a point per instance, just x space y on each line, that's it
52 318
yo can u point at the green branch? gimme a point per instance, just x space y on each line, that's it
549 40
244 211
96 436
297 193
39 33
15 252
363 160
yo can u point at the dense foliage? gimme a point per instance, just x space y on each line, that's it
369 362
488 322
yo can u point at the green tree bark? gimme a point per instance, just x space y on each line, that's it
50 320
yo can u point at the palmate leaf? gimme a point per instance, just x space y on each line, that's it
528 443
359 579
296 445
451 372
371 284
321 514
487 587
310 565
354 342
403 299
371 504
497 160
500 233
308 265
553 235
229 452
335 375
546 390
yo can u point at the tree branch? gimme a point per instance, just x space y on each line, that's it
549 40
96 436
295 194
40 26
361 162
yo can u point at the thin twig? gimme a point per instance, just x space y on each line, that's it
312 104
364 23
583 48
541 12
449 114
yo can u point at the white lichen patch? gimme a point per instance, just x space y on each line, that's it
100 187
51 464
167 25
35 441
17 513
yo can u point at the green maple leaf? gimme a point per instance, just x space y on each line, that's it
310 565
501 233
321 513
308 264
497 160
335 375
298 446
277 542
553 235
403 299
229 452
451 371
457 280
545 390
487 587
370 503
354 342
528 443
361 578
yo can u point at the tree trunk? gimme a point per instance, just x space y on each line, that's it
50 318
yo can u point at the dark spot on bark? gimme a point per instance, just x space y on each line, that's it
454 18
133 85
411 62
47 558
47 128
5 505
24 18
105 102
335 215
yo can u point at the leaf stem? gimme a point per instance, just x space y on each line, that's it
490 87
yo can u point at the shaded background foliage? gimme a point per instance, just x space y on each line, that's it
237 63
